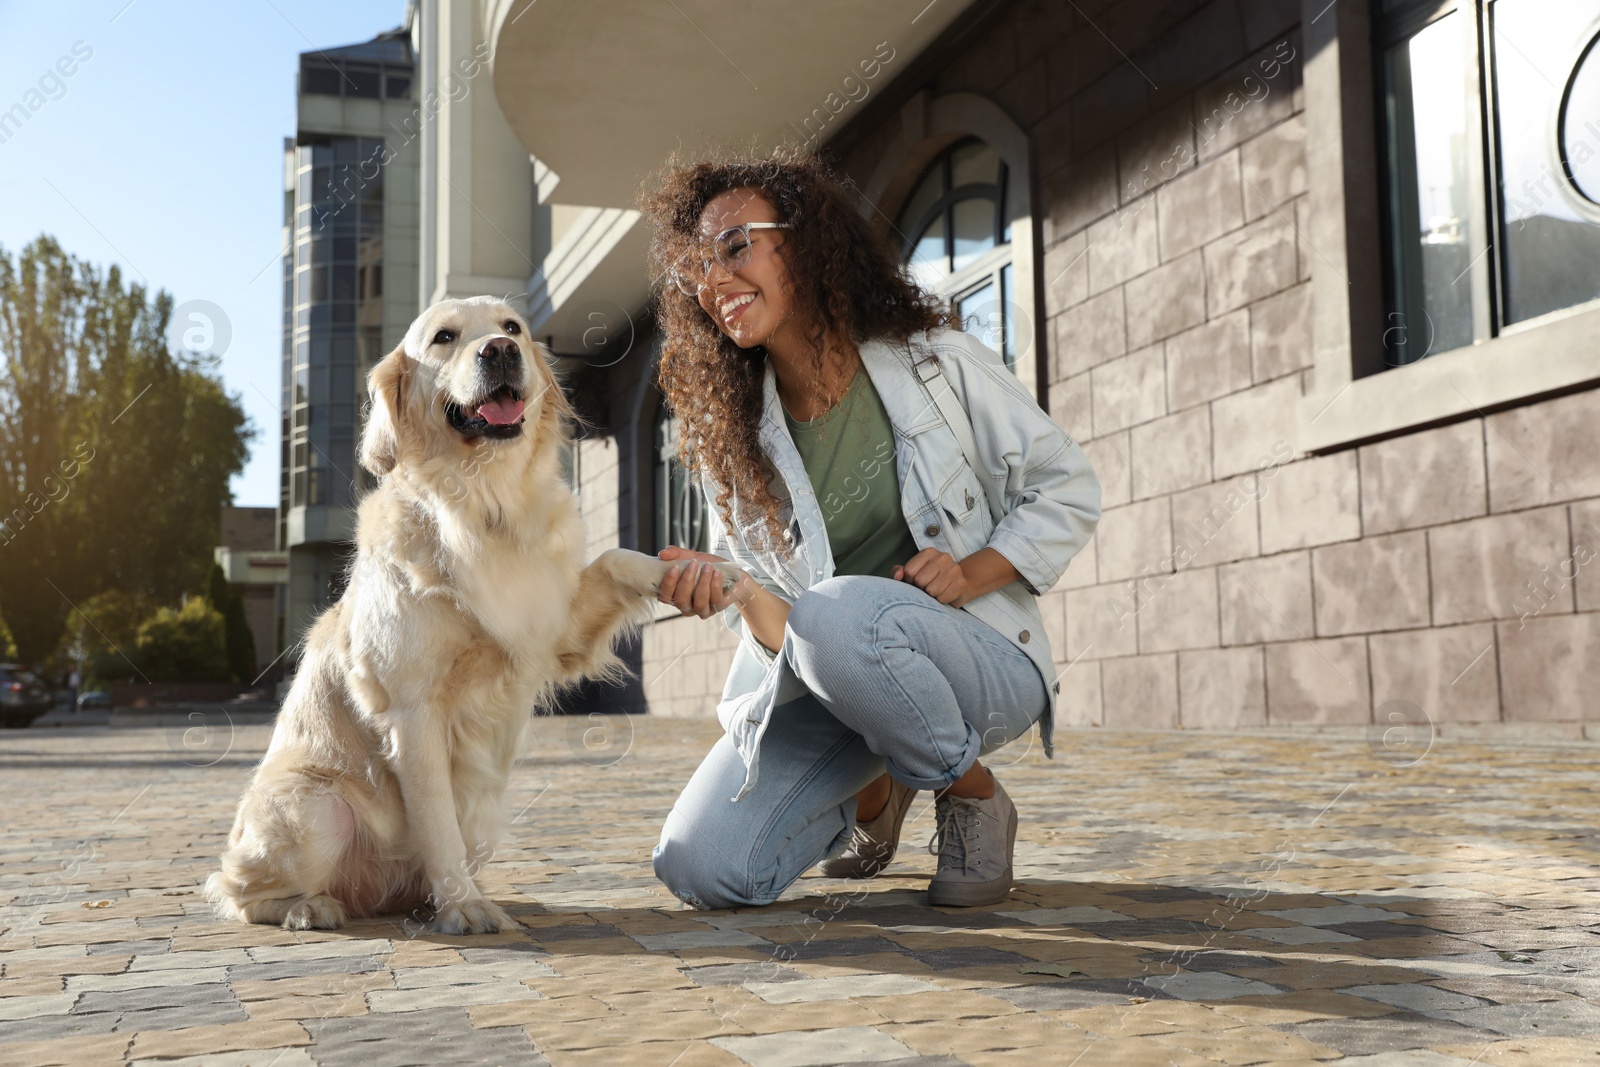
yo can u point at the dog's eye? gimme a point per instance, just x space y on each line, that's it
444 337
512 327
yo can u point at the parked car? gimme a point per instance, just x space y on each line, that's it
95 698
23 695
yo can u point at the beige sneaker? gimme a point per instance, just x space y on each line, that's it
873 844
975 841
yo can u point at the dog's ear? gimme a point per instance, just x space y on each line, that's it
386 386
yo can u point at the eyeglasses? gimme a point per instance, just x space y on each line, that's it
731 248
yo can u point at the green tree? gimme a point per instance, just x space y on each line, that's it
240 641
185 644
114 456
107 624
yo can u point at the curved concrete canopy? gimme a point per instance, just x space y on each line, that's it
602 92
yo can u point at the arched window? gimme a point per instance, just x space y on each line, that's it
680 506
957 230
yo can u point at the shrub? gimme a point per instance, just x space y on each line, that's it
187 644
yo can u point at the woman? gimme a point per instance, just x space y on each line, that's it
889 634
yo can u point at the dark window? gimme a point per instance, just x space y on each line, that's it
680 508
1490 120
956 212
339 285
955 231
318 76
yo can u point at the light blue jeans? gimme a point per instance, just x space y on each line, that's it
898 682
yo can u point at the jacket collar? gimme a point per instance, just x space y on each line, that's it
889 366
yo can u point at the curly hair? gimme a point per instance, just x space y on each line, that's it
847 279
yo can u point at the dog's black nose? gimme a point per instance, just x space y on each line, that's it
502 352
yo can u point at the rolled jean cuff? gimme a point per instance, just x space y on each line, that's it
969 756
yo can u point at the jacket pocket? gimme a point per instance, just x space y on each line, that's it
964 510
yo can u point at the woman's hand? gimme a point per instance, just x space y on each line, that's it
935 573
695 588
957 584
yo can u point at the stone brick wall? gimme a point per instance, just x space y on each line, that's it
685 663
600 493
1234 580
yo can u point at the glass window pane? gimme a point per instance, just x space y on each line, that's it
1552 229
1008 348
344 282
1425 101
360 81
924 197
929 264
344 382
680 507
1580 125
981 315
974 162
974 225
318 77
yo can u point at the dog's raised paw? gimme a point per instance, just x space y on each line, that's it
314 913
730 576
473 917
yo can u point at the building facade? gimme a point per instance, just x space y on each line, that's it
350 207
259 573
1314 284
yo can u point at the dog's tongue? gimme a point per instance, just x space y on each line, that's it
500 412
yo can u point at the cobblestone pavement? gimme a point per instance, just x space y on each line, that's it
1182 899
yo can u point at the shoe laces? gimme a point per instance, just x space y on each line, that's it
956 833
862 842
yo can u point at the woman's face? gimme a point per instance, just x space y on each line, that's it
748 305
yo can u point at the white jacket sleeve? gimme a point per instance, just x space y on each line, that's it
1051 491
722 543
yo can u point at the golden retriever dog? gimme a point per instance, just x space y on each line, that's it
467 606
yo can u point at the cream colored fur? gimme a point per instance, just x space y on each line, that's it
468 604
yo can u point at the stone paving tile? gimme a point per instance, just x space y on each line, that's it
818 1048
147 947
417 1039
1183 898
289 1056
106 1048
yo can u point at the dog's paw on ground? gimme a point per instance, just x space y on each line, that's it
314 913
473 917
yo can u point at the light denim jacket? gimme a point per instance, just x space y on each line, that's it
1052 505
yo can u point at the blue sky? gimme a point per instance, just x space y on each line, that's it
165 154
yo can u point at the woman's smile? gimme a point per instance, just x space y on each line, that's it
732 305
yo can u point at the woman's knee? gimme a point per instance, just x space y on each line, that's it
699 871
843 613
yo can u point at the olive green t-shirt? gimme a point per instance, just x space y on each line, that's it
848 453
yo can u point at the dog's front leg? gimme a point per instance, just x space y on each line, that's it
422 764
615 591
